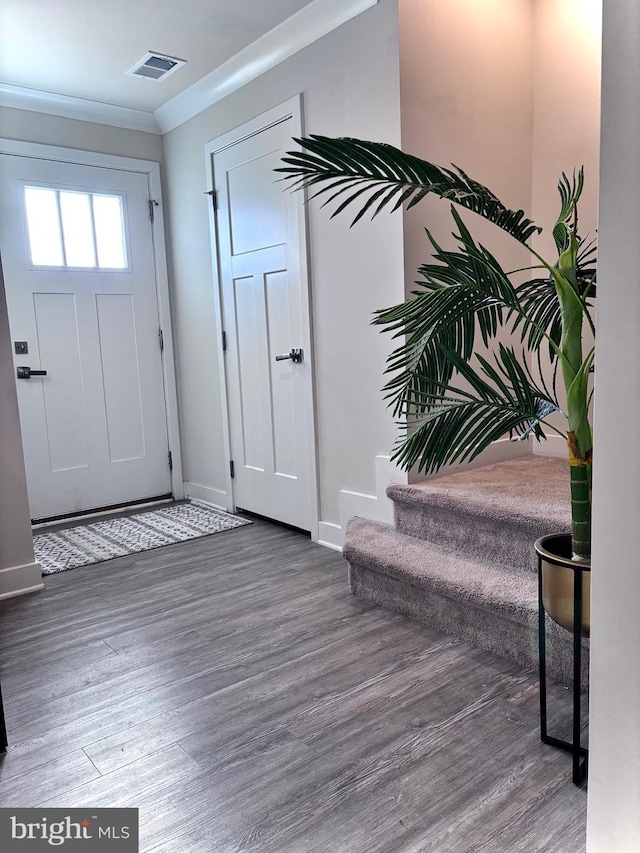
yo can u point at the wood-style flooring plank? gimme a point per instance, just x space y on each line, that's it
60 774
232 690
166 767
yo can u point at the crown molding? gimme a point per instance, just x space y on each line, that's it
39 101
295 33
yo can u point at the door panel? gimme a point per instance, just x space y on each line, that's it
252 371
56 319
251 187
283 400
94 428
269 400
120 376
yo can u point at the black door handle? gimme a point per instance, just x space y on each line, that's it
27 373
295 355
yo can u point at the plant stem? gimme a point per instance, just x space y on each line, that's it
581 511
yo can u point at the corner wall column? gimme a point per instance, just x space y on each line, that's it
613 816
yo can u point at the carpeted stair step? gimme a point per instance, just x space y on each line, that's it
490 605
492 514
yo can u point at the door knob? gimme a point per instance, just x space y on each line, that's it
27 373
296 355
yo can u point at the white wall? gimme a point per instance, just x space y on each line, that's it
466 94
510 91
349 81
613 816
18 571
466 80
566 125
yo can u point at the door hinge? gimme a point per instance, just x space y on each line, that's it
152 205
232 469
214 199
161 339
170 455
224 342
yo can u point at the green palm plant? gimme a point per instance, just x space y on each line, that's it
464 293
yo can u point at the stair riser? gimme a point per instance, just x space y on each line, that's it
487 630
477 537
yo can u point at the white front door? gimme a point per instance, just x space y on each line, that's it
263 305
78 261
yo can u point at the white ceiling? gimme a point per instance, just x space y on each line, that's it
83 48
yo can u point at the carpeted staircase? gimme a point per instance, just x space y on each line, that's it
460 557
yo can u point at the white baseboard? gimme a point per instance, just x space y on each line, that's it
502 450
217 498
377 507
20 580
330 535
555 445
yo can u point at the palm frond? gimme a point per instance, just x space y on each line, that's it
374 175
540 313
464 293
541 310
456 425
570 192
587 262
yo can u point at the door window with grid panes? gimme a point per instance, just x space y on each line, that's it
71 228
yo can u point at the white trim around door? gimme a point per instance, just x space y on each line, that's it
290 109
152 170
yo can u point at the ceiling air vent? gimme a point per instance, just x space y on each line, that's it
156 66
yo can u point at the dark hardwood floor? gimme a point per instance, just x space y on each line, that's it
232 690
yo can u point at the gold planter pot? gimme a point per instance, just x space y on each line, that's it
558 572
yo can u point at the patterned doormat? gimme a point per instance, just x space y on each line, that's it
116 537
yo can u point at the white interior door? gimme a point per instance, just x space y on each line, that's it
263 306
77 251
